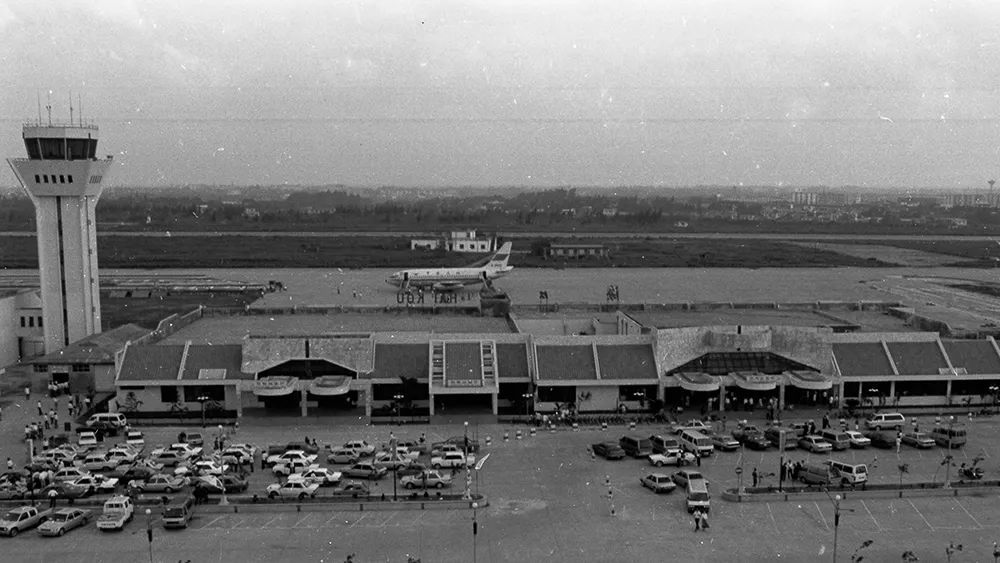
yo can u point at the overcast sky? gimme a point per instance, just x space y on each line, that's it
510 92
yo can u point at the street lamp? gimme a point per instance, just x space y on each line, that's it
836 519
872 392
995 391
465 462
149 532
475 530
947 468
397 398
203 399
527 403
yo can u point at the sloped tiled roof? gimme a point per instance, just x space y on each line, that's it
151 362
976 356
462 360
565 362
512 359
917 358
401 360
627 361
95 349
226 357
861 358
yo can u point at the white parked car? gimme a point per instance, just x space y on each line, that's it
99 462
671 458
858 440
362 447
292 455
319 475
291 490
343 456
136 440
203 467
453 459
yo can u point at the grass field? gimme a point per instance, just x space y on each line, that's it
976 253
393 252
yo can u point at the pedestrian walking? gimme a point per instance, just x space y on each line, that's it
697 519
754 477
257 454
10 464
52 498
40 411
697 457
899 441
826 421
55 420
704 521
27 392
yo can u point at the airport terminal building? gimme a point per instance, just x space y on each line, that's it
409 364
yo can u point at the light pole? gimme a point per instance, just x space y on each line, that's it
465 462
995 391
527 402
149 532
397 398
872 392
203 399
475 530
836 519
947 468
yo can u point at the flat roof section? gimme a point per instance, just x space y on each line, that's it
512 359
976 356
224 360
97 348
401 360
462 360
232 329
861 358
868 321
627 361
917 358
565 363
154 362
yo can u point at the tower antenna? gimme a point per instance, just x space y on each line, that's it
38 99
79 102
71 107
48 106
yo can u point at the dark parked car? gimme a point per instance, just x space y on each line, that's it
277 449
609 450
882 439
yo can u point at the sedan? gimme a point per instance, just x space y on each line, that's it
815 444
319 475
96 483
391 461
286 468
427 479
857 439
215 485
292 455
414 468
682 477
69 473
722 442
291 489
65 489
880 439
364 470
658 483
64 520
342 456
351 489
918 440
678 459
608 450
160 483
11 492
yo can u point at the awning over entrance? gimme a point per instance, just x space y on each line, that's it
753 381
697 381
275 386
330 385
810 380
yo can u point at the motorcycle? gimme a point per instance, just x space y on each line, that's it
974 473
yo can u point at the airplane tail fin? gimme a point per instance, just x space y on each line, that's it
499 260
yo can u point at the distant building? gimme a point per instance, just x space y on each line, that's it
457 241
576 251
88 364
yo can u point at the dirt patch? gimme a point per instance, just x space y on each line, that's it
883 253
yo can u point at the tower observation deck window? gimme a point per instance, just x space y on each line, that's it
38 179
45 178
53 149
62 179
70 178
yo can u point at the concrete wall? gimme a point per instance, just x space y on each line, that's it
151 398
9 323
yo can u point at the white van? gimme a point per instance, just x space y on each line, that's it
105 420
881 420
697 495
696 443
849 473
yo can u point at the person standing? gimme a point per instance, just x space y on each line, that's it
697 519
899 441
10 464
754 477
40 411
704 521
27 392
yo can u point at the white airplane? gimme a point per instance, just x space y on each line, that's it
450 279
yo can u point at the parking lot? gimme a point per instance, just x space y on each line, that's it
548 499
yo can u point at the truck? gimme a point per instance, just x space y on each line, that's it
118 510
22 518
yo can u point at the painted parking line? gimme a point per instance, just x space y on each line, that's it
922 517
213 521
821 517
872 516
301 520
362 517
967 513
773 521
946 514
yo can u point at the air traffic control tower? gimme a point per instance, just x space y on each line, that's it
63 177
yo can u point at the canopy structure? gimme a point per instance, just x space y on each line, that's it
753 381
330 385
810 380
275 386
698 382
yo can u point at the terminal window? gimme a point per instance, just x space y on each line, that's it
38 179
39 322
23 322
